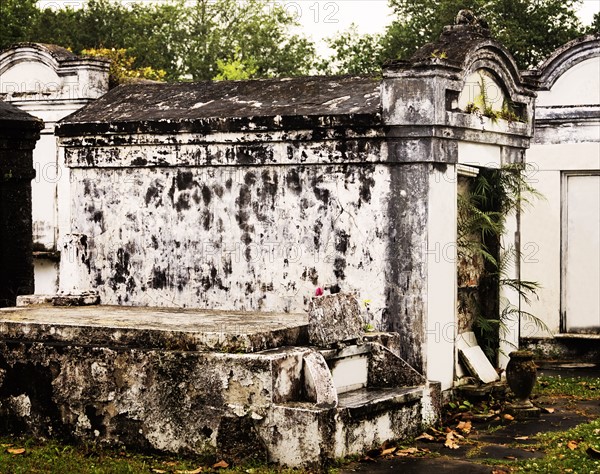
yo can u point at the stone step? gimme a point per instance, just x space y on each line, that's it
364 419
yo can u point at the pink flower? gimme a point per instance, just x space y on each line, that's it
319 292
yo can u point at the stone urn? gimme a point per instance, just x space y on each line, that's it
521 374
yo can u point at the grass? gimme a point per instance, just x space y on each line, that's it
52 457
576 387
565 451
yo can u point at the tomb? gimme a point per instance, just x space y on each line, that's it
205 217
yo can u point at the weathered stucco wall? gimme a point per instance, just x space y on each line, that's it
250 194
247 237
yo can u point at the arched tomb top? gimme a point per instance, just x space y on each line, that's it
564 58
37 71
571 75
475 58
464 80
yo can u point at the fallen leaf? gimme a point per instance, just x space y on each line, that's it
385 452
220 465
451 441
367 459
548 410
425 436
572 445
499 471
510 458
521 438
464 426
195 471
159 471
508 417
407 452
16 450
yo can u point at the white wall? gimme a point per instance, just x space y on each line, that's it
560 145
541 226
441 280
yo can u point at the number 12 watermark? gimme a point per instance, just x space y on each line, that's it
325 12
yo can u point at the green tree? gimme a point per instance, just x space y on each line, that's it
530 29
353 53
183 38
122 69
157 35
235 70
56 27
230 30
594 28
16 17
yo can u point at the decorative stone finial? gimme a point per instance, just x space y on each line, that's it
465 17
468 18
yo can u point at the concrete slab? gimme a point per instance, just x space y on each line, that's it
154 328
478 364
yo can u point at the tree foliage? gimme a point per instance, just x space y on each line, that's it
122 69
594 28
182 38
15 18
354 53
530 29
248 31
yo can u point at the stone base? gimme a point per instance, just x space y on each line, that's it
478 392
523 413
153 379
565 347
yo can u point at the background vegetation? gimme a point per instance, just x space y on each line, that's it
238 39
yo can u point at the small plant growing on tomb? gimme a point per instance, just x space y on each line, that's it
369 318
482 106
437 54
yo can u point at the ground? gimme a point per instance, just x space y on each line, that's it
474 438
477 438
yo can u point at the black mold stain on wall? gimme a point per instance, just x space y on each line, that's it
406 263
